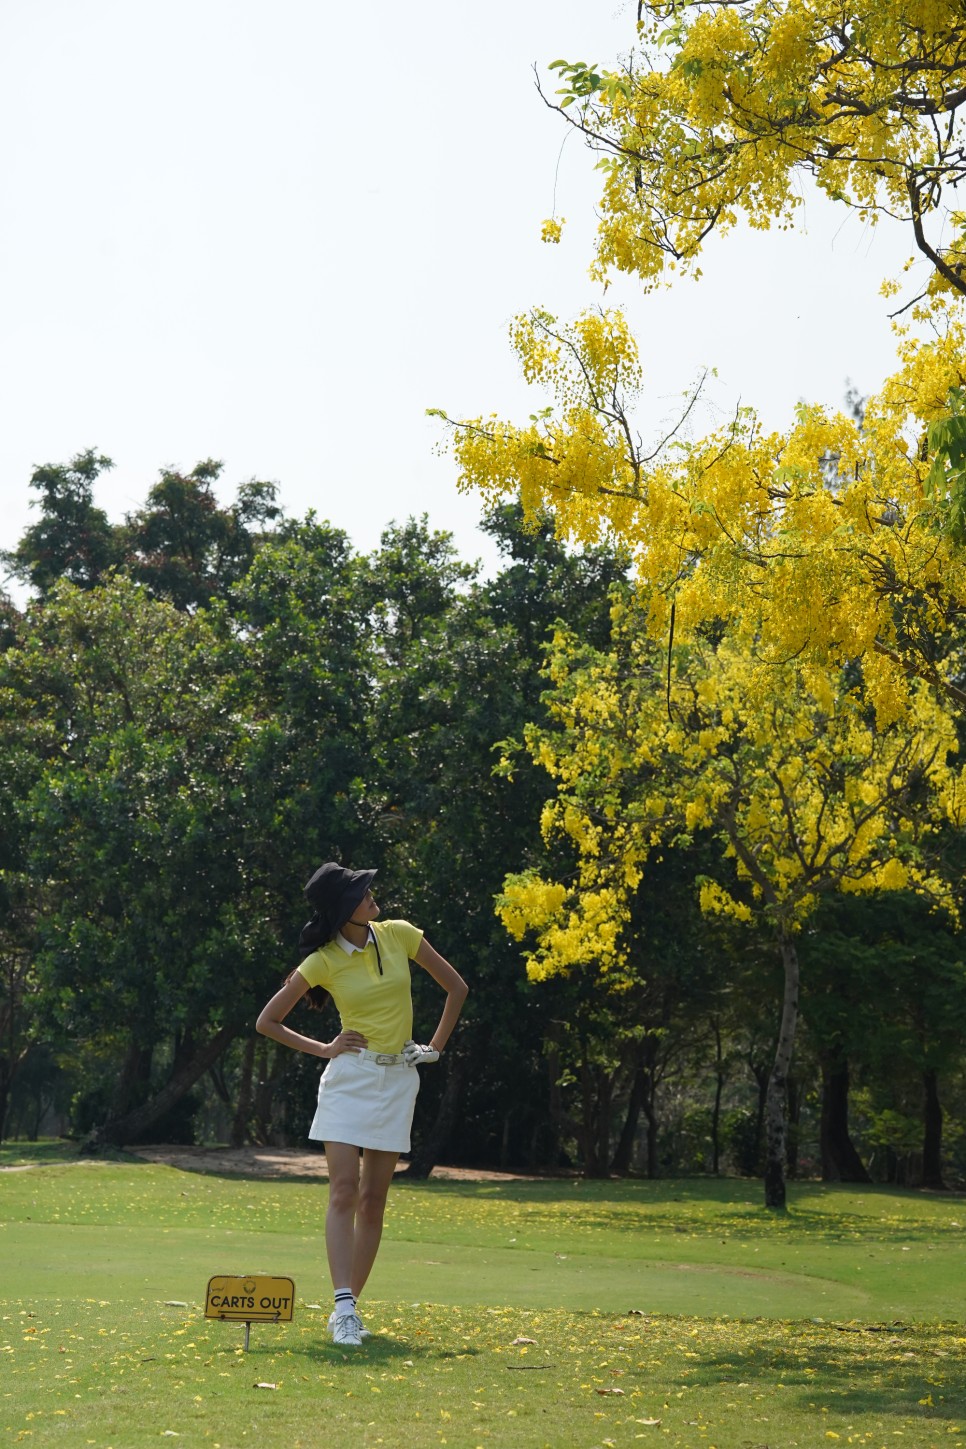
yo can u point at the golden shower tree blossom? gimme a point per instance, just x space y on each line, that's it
816 737
832 538
721 105
790 765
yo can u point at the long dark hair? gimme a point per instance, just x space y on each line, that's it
316 996
315 933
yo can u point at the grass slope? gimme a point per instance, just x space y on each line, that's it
674 1313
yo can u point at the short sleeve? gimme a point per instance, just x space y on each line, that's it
315 970
409 937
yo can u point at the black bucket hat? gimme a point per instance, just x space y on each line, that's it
333 893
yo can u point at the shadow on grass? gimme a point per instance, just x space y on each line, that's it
48 1153
712 1206
380 1349
891 1369
695 1207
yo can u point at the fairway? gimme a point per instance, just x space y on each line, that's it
683 1302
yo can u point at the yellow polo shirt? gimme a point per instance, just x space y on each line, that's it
379 1006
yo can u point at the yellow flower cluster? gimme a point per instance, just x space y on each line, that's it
787 762
723 105
803 540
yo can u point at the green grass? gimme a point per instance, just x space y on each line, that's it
683 1302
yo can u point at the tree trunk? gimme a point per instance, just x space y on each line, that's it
650 1136
432 1145
778 1080
621 1160
13 1050
932 1139
133 1083
558 1119
794 1107
760 1074
118 1130
42 1106
719 1082
840 1161
587 1134
6 1082
264 1092
505 1138
555 1097
592 1126
605 1085
243 1107
648 1104
532 1159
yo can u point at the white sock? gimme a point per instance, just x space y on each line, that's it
344 1301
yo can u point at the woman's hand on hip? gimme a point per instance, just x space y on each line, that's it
347 1041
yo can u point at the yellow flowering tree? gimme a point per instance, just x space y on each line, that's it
722 104
838 537
826 561
831 548
807 786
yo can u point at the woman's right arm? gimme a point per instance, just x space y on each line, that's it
271 1023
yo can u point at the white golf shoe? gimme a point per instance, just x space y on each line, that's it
347 1330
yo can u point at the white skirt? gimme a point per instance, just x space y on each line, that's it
365 1104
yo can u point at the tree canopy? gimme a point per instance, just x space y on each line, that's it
806 587
720 105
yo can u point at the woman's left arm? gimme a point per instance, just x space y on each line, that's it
452 983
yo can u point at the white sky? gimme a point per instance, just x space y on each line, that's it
275 231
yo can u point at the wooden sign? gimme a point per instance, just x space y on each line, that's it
253 1299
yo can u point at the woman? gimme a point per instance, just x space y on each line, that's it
368 1090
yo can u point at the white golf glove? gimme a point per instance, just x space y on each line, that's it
419 1056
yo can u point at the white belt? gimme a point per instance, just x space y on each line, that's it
384 1059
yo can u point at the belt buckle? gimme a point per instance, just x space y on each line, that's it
385 1059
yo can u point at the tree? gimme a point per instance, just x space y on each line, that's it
835 548
888 995
842 1007
302 659
18 985
831 539
722 103
73 539
621 1037
185 547
456 670
721 107
301 665
9 620
130 831
806 789
830 556
19 897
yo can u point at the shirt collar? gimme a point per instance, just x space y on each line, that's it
348 947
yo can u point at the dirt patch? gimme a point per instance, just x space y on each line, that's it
289 1162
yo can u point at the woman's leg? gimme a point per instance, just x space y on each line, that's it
342 1160
377 1171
